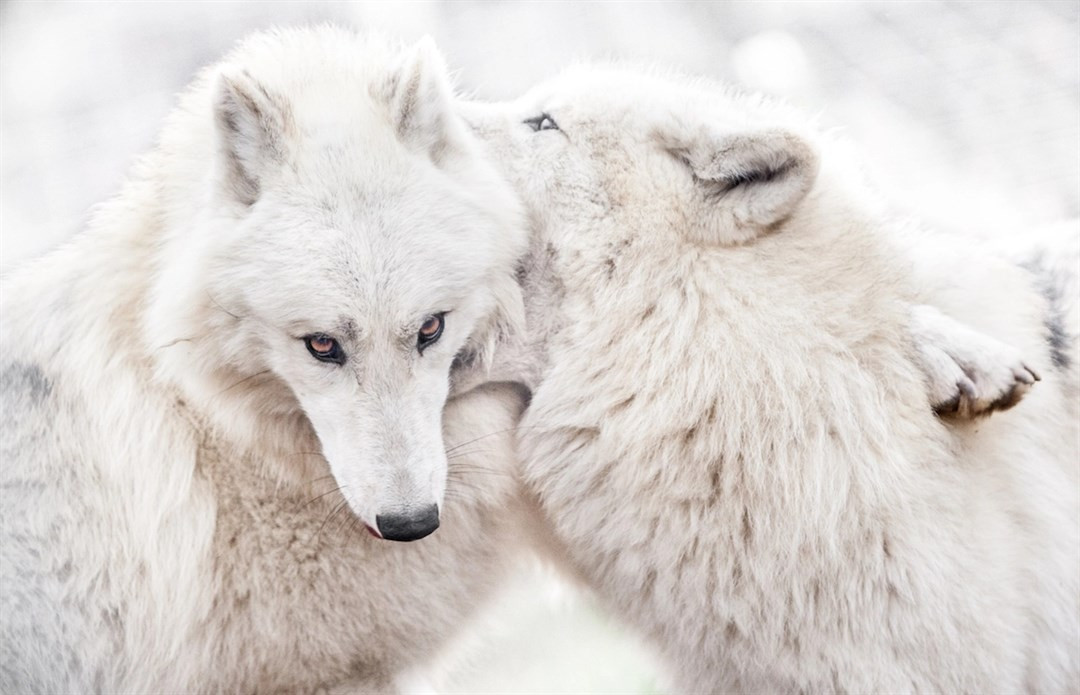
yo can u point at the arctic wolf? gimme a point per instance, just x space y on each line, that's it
728 428
242 363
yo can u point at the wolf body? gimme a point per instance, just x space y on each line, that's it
728 430
215 393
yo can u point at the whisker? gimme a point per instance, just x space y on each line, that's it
459 496
491 434
354 527
471 452
465 484
174 342
218 305
247 378
331 515
346 523
462 468
317 497
485 436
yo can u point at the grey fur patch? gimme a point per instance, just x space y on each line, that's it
254 124
466 359
1050 285
1057 339
25 382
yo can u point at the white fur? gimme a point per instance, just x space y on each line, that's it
185 487
729 429
976 372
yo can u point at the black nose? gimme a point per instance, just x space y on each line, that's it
408 527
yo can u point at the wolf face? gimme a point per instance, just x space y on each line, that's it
599 153
601 143
358 245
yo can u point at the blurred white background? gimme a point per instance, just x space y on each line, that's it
967 115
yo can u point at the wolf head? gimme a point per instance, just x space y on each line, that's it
619 167
601 143
350 242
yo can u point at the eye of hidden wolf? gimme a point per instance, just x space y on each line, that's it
353 242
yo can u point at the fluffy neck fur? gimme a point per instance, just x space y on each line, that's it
140 281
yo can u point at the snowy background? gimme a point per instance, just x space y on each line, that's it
967 115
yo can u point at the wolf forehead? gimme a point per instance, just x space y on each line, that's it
343 185
352 140
644 103
414 237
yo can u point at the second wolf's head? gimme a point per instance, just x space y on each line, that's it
349 243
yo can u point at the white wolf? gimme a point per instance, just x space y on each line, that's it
728 428
252 340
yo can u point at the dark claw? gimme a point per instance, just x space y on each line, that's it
949 407
1006 400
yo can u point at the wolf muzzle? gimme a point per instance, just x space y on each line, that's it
408 527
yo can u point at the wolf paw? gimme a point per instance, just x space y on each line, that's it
978 380
981 389
970 374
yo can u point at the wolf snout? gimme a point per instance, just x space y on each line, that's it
409 526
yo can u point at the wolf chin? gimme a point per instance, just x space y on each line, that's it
244 362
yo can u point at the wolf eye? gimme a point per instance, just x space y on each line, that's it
542 122
324 348
430 330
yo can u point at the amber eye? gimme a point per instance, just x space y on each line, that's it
323 347
430 330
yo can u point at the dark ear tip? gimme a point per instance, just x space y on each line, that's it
750 180
761 158
802 152
232 99
230 85
421 62
252 124
420 98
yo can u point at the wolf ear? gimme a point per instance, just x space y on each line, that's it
501 331
750 181
251 124
420 100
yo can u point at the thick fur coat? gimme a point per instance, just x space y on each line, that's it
185 485
729 430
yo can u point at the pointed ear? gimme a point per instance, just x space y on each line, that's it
252 125
749 181
420 95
